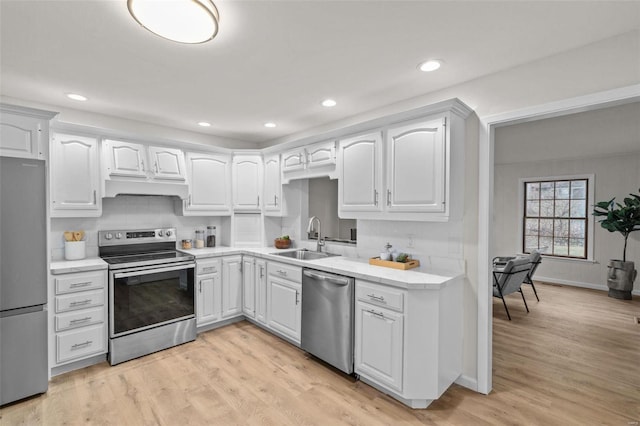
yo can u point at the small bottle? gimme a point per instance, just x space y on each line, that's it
199 238
385 254
211 236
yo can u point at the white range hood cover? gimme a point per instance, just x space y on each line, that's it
128 187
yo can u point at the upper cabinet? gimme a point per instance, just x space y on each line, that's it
360 174
167 163
416 167
247 182
209 177
315 160
273 202
135 160
75 176
24 132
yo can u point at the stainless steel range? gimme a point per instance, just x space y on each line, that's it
151 292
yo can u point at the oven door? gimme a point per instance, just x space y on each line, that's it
145 298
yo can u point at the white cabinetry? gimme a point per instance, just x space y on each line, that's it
321 154
284 290
402 172
247 180
126 159
416 167
75 176
167 163
209 177
249 286
315 160
379 332
79 316
24 132
360 179
272 186
231 286
208 291
261 290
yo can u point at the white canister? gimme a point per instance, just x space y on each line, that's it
74 250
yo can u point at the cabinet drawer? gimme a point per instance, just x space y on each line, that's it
86 299
80 343
79 282
281 270
81 318
209 266
380 295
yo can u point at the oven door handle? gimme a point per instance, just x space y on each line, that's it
152 271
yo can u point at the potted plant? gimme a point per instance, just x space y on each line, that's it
622 218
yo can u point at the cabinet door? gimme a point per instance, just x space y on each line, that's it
231 286
20 136
208 296
75 176
321 154
248 286
293 160
416 167
125 159
167 163
209 183
379 345
261 290
360 181
272 185
247 176
283 307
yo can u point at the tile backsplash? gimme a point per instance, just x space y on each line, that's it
129 212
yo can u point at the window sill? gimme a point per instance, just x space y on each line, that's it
569 259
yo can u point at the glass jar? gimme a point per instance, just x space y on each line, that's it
187 244
211 236
199 238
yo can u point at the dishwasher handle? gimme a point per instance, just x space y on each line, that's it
331 279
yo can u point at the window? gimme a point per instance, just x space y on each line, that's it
555 219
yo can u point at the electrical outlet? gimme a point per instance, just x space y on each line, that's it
410 243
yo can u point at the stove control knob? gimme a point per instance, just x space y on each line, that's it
108 235
168 232
119 235
160 233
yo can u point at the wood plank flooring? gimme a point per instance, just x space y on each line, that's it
573 360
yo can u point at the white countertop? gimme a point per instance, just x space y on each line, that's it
418 278
83 265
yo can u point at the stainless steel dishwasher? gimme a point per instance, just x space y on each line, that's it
327 318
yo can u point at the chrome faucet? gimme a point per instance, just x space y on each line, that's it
310 228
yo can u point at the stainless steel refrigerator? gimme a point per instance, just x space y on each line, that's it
23 279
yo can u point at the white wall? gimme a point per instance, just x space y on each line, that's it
605 143
131 212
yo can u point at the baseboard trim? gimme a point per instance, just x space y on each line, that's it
601 287
467 382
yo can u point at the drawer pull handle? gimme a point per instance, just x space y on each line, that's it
377 314
209 269
79 320
76 285
281 272
80 302
378 298
81 345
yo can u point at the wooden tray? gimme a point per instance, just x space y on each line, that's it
413 263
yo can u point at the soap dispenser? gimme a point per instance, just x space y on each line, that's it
385 254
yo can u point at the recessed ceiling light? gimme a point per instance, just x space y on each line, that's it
329 103
430 65
76 97
204 124
184 21
270 124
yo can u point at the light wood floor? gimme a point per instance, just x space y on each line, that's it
573 360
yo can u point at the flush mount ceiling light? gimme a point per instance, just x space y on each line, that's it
184 21
270 125
329 103
76 97
204 124
430 65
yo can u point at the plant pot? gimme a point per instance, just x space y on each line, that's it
620 279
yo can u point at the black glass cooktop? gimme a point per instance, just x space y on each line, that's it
141 259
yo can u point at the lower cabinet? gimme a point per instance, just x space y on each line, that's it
80 316
378 344
208 291
261 291
249 286
284 299
231 286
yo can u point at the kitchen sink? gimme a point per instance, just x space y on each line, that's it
304 254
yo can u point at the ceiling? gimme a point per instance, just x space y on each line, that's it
277 60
